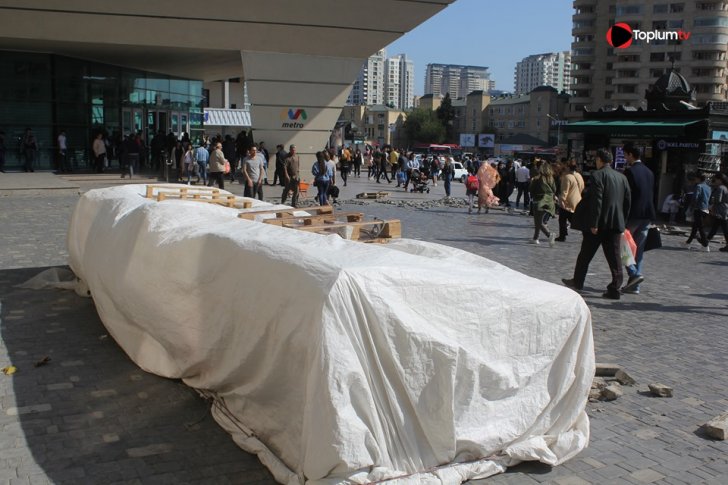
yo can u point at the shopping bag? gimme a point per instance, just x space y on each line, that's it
630 241
227 167
654 239
626 252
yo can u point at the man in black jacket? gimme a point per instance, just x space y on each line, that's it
641 214
601 216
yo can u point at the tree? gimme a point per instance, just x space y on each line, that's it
446 115
422 125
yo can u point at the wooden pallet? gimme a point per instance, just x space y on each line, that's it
372 195
281 213
318 219
324 220
365 231
198 194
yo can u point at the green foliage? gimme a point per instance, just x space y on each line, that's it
446 115
423 126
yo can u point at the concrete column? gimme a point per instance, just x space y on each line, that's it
226 94
297 98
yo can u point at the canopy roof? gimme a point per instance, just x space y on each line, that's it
227 117
654 127
203 40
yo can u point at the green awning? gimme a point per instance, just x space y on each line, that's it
654 128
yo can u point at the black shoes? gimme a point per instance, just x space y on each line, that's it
560 239
723 249
632 283
571 284
611 295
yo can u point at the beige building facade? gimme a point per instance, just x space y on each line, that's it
376 125
429 101
456 80
471 113
539 114
606 76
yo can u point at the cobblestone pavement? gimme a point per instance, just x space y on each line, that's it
92 416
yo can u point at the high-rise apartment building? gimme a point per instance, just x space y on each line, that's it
457 80
406 83
551 69
391 82
385 81
368 88
604 76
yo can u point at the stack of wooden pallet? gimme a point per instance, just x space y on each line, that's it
321 220
196 194
324 220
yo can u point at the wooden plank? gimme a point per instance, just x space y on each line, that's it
372 195
390 228
316 219
181 191
282 213
227 200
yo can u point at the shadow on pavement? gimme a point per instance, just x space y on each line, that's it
530 467
91 415
638 306
712 296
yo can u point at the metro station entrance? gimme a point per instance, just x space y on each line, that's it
149 121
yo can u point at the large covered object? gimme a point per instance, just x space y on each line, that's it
335 360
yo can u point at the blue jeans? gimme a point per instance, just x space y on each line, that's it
202 171
447 186
638 228
323 189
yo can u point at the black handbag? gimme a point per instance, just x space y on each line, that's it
654 240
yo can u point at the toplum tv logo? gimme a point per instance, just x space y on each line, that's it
621 35
291 116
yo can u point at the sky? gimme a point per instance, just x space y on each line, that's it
492 33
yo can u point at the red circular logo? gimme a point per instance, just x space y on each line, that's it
620 35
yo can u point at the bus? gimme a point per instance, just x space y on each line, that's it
444 150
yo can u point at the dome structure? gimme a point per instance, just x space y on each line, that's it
669 90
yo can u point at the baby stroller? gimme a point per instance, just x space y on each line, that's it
419 182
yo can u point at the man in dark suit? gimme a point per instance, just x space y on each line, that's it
601 217
641 214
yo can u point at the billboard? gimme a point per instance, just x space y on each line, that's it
486 140
467 140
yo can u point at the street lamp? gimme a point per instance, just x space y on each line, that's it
558 128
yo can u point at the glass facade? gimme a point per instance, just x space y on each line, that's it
50 93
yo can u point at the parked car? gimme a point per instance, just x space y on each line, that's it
459 172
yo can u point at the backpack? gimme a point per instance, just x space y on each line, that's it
472 182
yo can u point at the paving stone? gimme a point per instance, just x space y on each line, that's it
622 435
624 378
717 427
31 409
612 391
647 475
59 386
149 450
104 393
572 480
660 390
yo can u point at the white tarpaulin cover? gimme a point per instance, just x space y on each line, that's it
335 360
